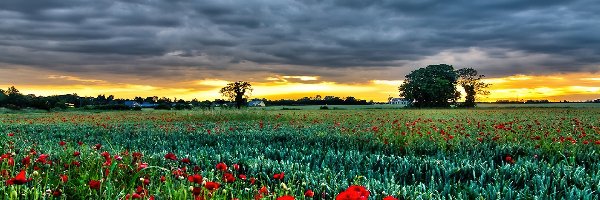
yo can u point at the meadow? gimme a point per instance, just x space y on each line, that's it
491 153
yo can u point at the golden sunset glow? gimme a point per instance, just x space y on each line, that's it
558 87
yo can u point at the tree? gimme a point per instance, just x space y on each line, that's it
236 91
14 97
152 99
318 97
472 84
432 86
3 97
139 99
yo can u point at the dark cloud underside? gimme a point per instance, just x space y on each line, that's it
151 36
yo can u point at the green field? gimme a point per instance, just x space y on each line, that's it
488 153
389 106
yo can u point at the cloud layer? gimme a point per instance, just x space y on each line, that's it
328 38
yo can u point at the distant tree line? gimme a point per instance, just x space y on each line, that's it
530 101
318 100
12 98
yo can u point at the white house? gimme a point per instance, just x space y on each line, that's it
399 101
256 103
132 104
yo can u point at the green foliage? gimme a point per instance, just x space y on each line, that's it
163 106
472 84
410 154
432 86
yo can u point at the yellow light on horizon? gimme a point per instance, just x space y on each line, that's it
553 87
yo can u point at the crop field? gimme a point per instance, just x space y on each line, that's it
492 153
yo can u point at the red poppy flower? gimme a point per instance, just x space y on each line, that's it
108 162
389 198
94 184
137 155
309 193
242 176
286 197
142 166
236 167
98 146
11 134
212 186
178 172
357 188
136 196
263 190
185 160
64 178
43 158
279 176
348 195
228 177
11 161
509 159
222 166
196 191
77 153
139 190
76 163
170 156
56 193
196 178
354 192
62 143
26 161
80 143
20 179
163 179
105 154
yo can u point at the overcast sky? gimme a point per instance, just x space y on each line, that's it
343 41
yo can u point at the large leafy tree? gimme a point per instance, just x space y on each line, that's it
237 91
432 86
471 82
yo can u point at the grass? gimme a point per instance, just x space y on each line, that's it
491 153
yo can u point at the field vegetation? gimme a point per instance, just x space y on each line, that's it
525 153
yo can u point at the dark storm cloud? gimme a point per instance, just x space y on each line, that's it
151 36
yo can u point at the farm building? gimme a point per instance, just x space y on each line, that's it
256 103
132 104
399 101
